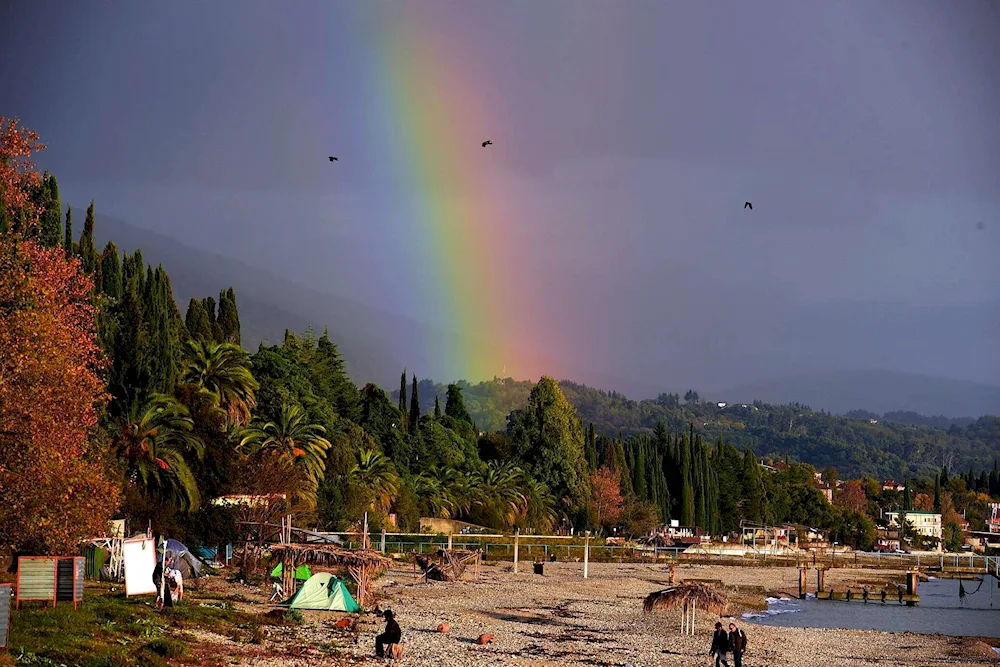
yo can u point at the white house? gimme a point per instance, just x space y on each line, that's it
927 524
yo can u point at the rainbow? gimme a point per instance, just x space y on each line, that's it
450 216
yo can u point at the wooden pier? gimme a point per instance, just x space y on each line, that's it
909 598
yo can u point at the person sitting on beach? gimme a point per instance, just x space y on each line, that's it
720 646
392 635
737 643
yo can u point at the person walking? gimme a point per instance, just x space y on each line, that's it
720 646
737 644
392 635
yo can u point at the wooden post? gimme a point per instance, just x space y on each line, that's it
694 608
586 554
802 583
820 572
364 537
912 577
517 534
450 536
684 610
383 540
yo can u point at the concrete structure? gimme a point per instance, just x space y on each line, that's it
927 524
437 526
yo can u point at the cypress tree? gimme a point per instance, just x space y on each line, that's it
753 488
208 303
403 415
229 319
937 492
68 237
50 229
197 323
437 408
111 272
639 472
591 448
414 403
88 253
454 405
907 500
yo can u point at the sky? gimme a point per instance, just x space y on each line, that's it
604 230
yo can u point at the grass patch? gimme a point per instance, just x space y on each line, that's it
108 630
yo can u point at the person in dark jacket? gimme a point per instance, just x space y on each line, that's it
392 634
720 646
737 644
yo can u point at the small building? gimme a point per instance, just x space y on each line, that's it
892 485
827 491
927 524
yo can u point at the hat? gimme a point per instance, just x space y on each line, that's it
718 625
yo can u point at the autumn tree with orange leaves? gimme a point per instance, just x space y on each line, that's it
606 497
56 485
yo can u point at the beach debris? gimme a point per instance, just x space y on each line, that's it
343 623
448 564
485 639
444 628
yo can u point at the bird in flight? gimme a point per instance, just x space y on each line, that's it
487 143
748 205
333 159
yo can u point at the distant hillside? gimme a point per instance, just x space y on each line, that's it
855 446
874 390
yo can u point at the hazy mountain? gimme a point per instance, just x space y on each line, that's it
875 390
376 345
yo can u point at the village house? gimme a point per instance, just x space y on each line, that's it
927 524
892 485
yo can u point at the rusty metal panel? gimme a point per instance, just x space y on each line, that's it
36 578
4 615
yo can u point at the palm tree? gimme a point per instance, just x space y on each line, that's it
375 473
294 437
222 369
439 497
498 493
153 439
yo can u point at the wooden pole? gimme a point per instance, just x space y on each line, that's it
517 535
383 540
449 541
586 554
802 583
694 608
364 537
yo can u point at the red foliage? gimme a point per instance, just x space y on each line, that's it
17 172
606 496
852 496
55 486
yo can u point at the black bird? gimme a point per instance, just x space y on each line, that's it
333 159
748 205
487 143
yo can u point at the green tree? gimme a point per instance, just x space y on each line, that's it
753 489
50 227
88 252
152 440
294 438
199 326
952 537
111 272
229 317
68 244
437 408
549 440
223 370
403 414
375 474
414 403
454 406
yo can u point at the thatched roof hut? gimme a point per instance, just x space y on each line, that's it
361 564
704 596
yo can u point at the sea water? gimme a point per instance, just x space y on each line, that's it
940 610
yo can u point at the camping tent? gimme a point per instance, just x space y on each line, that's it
184 560
323 592
302 572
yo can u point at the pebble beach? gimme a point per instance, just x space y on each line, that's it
561 619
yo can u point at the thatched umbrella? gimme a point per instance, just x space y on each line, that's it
361 564
688 597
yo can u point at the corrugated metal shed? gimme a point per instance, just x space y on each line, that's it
36 579
4 615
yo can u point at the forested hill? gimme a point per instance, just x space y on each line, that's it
855 446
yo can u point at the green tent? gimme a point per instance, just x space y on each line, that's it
302 572
323 592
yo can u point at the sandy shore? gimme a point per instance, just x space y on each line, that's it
562 619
